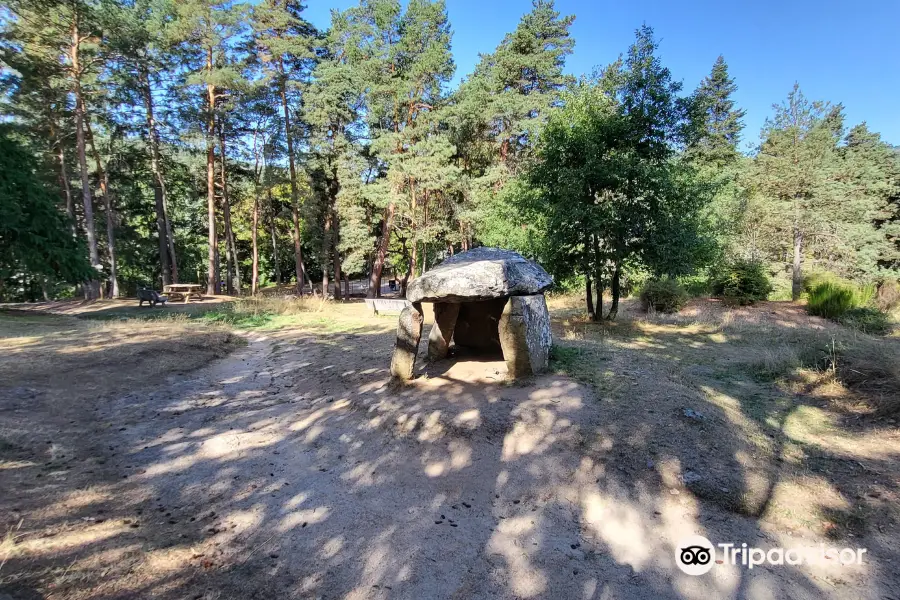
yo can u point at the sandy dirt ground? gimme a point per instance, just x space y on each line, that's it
294 469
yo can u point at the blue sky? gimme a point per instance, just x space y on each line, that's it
845 52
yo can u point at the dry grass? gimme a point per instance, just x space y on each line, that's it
42 351
796 397
780 340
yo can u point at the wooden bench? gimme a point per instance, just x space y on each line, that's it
151 296
386 305
184 291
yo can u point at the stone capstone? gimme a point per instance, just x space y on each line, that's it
480 274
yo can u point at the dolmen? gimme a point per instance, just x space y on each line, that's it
485 299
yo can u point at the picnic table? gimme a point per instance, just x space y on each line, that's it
184 290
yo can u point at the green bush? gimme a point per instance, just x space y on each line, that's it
867 319
832 298
696 285
663 295
742 282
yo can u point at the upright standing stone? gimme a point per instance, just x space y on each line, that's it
409 332
442 331
525 335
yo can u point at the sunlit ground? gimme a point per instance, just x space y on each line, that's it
290 468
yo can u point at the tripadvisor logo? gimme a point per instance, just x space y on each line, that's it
696 555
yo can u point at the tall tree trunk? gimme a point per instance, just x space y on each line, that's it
414 260
299 267
326 251
254 284
166 249
103 176
335 239
212 275
111 238
589 295
258 175
381 254
588 290
797 275
173 261
92 288
404 281
64 186
616 288
598 278
233 273
275 265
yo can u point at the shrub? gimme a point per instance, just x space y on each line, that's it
833 298
829 299
696 285
663 295
867 319
743 282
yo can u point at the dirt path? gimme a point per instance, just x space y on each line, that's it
291 469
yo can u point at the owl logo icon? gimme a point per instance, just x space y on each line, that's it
695 555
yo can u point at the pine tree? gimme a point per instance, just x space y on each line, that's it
713 151
795 173
284 43
524 77
138 66
204 32
871 206
496 115
405 59
720 134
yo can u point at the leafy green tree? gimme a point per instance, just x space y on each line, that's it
609 184
36 242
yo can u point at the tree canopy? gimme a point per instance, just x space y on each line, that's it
237 146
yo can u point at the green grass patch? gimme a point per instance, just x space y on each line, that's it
564 359
868 320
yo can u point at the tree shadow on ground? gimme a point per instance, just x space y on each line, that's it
293 470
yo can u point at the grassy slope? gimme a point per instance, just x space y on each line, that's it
772 413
